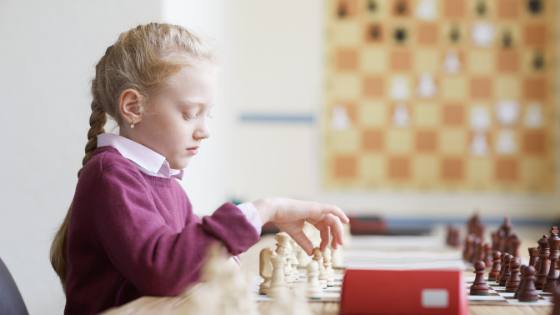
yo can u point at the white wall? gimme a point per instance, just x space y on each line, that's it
47 58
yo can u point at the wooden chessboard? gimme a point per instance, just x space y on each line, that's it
498 296
370 43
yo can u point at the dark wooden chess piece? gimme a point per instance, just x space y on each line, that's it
454 35
479 287
556 301
522 283
532 255
513 281
553 244
476 250
495 241
502 256
528 293
342 9
400 35
481 8
538 62
482 252
505 275
372 6
506 39
545 263
502 240
515 244
468 247
453 236
538 262
374 31
495 266
401 8
488 255
535 6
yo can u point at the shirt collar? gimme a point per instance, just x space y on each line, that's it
145 159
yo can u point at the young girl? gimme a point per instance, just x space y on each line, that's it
130 230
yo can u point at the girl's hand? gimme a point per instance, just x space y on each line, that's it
289 215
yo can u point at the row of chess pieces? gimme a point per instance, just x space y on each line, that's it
279 269
542 273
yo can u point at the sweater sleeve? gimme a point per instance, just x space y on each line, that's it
145 250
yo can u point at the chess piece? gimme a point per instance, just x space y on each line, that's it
400 35
278 282
488 255
534 6
340 120
468 247
426 10
515 244
401 117
426 85
528 293
556 300
454 35
328 267
514 279
495 241
507 41
265 269
401 8
502 262
337 256
506 142
481 252
481 8
496 266
482 34
539 262
534 116
479 145
318 257
538 62
342 10
479 118
399 88
372 6
479 287
532 255
294 261
451 63
476 251
453 236
505 275
545 263
522 283
553 244
507 111
314 290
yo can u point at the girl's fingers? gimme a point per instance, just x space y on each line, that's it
325 235
303 241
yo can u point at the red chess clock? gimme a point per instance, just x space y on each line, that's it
430 292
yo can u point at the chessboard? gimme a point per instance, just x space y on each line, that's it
440 95
497 295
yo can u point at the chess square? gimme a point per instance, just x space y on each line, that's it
506 169
373 114
345 141
534 142
426 114
454 88
401 8
453 141
507 87
534 88
426 60
399 141
347 59
399 168
372 140
345 167
427 33
508 61
426 140
426 168
400 60
479 170
454 8
347 8
373 86
373 167
374 33
508 9
453 114
481 87
532 170
351 110
452 168
480 61
346 86
374 60
347 33
535 35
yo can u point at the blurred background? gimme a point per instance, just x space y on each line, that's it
417 112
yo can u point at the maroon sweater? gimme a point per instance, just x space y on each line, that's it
132 234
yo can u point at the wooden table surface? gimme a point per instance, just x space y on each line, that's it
250 267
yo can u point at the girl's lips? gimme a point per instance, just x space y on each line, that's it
193 151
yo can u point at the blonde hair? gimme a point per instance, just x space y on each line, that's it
143 59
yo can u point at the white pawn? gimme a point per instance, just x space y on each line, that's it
401 118
294 260
318 257
265 270
506 142
426 10
426 86
328 267
314 290
533 116
340 119
278 283
482 34
399 89
507 111
480 118
451 64
479 145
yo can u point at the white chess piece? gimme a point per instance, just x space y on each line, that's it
284 242
278 283
480 118
328 267
451 63
482 33
318 257
507 111
340 119
401 118
479 145
426 10
314 290
399 88
534 116
265 269
506 142
294 261
426 85
337 256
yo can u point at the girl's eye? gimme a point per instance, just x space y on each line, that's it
189 117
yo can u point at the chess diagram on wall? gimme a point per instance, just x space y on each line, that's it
440 95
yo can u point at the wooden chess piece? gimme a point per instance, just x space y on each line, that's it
545 263
468 247
556 300
479 287
528 293
294 261
513 281
328 267
515 244
283 240
495 241
265 269
314 290
482 252
495 266
532 256
522 283
476 245
488 255
502 256
501 240
278 283
505 275
553 244
539 261
318 257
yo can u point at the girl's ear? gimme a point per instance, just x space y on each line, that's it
130 106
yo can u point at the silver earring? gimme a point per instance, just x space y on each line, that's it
132 126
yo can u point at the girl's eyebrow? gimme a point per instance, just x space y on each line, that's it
187 103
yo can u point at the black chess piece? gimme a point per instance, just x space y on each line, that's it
528 293
454 34
502 257
481 8
342 10
505 275
400 35
545 263
495 266
507 39
538 61
479 287
522 283
514 279
553 244
371 6
401 8
535 6
374 31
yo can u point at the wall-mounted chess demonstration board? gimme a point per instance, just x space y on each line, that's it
440 95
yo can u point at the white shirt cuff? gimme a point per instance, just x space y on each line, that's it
252 215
